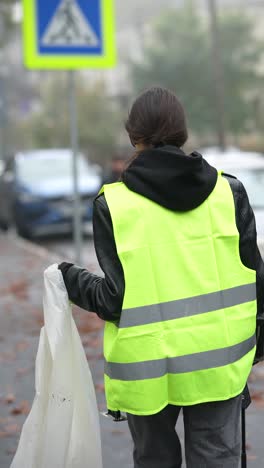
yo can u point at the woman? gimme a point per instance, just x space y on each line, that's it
176 241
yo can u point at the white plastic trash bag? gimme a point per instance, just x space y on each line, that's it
62 429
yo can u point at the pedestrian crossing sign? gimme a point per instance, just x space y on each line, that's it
69 34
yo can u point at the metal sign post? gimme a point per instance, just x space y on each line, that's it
2 155
217 67
68 35
77 215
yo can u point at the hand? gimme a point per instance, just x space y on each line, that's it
64 267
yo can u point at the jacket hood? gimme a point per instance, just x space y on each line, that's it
169 177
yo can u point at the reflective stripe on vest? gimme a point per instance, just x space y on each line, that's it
187 329
188 307
179 364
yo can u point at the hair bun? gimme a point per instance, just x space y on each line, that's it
157 117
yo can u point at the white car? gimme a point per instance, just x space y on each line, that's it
249 168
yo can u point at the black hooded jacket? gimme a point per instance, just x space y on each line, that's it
169 177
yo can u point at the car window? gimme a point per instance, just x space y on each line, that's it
30 170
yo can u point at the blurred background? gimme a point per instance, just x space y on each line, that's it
211 53
186 45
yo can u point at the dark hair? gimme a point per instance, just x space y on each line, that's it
157 117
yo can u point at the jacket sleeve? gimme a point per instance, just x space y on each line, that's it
250 255
102 295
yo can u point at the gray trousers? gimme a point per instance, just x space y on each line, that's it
212 436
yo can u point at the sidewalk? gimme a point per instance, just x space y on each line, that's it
21 318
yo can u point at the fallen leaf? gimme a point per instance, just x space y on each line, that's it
117 432
19 289
23 371
257 374
10 398
258 398
10 430
100 387
21 346
252 378
7 356
23 408
94 357
39 318
96 343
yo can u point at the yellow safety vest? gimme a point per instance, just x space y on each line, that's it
187 328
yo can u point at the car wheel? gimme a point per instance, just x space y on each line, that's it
3 225
22 231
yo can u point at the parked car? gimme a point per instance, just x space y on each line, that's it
36 191
249 168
